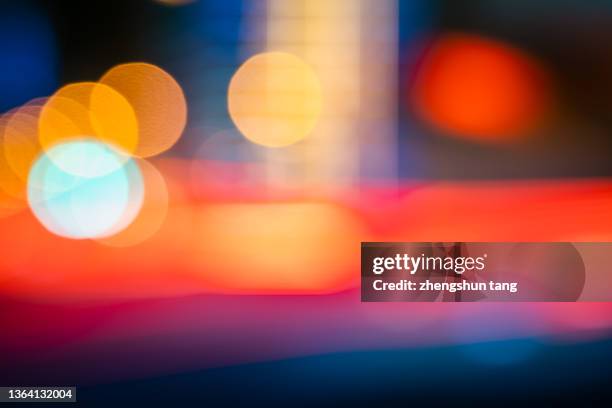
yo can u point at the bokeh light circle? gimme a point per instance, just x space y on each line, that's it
275 99
158 102
150 216
83 204
479 89
10 184
20 142
12 188
88 109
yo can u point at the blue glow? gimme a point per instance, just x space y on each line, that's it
501 352
28 55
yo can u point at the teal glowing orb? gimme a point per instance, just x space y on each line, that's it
85 189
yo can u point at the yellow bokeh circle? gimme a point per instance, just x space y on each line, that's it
275 99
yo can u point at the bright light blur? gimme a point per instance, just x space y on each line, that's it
277 247
479 89
275 99
77 204
88 109
134 204
358 78
290 131
68 156
146 213
11 185
21 145
158 102
221 244
113 118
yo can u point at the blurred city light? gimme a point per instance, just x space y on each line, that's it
78 204
88 109
158 102
479 89
275 99
148 217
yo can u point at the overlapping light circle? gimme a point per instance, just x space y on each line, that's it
11 188
74 203
10 184
88 109
149 217
75 157
158 102
20 141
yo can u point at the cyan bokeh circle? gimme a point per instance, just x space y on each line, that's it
85 189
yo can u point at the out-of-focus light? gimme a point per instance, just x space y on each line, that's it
20 143
479 89
84 191
28 53
275 99
88 109
158 102
113 118
9 205
86 159
12 189
135 203
277 247
506 352
150 215
10 183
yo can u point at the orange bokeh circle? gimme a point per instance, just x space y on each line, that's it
88 109
479 89
158 102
